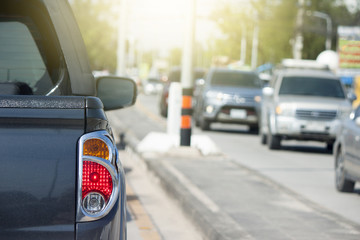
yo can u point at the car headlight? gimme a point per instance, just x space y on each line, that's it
344 113
284 110
220 96
210 109
257 99
215 95
352 115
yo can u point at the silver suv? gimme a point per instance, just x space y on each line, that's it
305 101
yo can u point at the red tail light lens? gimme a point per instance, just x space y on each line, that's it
96 178
96 187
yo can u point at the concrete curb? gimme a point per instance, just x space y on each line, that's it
213 225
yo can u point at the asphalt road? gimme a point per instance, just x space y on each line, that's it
305 168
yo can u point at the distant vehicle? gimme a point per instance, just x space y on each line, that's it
347 153
229 96
153 85
305 101
175 76
100 73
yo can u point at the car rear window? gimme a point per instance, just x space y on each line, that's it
29 49
311 86
175 76
236 79
154 80
20 58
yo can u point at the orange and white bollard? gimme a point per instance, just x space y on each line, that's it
186 112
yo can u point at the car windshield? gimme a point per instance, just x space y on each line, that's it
154 80
233 78
311 86
175 76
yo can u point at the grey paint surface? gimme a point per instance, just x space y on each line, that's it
38 172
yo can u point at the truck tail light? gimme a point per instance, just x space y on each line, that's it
98 176
96 187
97 148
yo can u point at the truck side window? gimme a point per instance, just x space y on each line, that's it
20 57
30 52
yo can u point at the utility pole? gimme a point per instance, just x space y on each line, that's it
187 76
255 43
243 44
298 44
121 44
327 18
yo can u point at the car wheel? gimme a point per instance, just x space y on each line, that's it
204 125
263 138
197 123
330 146
254 129
274 141
196 119
342 184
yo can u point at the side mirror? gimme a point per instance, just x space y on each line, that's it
116 92
268 91
351 96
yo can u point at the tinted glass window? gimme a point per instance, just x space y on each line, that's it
233 78
198 75
20 58
310 86
29 49
175 76
154 80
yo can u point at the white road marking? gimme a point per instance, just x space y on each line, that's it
193 189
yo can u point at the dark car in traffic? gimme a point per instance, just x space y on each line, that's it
347 153
152 85
175 76
229 96
61 176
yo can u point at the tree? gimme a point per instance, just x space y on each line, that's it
96 22
174 58
315 28
277 23
229 20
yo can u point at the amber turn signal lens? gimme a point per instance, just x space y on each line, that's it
96 148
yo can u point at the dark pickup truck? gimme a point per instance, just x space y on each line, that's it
60 174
